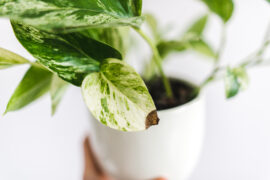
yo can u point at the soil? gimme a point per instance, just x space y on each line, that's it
183 93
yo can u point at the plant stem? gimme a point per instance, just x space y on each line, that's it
158 60
217 59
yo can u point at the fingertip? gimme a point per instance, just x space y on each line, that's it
160 178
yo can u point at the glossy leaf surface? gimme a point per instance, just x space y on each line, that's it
118 97
69 15
72 56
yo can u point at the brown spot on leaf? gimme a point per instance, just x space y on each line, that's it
151 119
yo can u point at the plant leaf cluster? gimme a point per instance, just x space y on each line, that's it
79 42
83 43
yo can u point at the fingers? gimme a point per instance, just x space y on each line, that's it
160 178
93 170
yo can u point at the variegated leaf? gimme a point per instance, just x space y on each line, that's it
236 79
72 56
118 97
8 59
70 15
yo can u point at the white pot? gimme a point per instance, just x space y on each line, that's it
170 149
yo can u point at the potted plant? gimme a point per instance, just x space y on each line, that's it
83 43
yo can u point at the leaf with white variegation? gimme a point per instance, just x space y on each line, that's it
69 15
57 91
72 56
8 59
35 83
118 97
236 79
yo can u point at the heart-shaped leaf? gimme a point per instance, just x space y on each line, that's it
118 97
236 79
70 15
72 56
35 83
8 59
223 8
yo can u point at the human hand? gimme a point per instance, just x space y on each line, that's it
93 170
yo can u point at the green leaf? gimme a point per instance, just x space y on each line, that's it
114 37
69 15
166 47
35 83
223 8
118 97
57 90
197 44
192 39
72 56
202 47
198 27
236 79
8 59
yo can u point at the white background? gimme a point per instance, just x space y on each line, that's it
33 145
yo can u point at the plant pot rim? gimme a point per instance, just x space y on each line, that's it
197 98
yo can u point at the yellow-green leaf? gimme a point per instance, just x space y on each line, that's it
35 83
8 59
57 91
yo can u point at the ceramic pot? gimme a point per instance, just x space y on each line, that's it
170 149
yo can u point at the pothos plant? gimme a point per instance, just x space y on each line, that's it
83 43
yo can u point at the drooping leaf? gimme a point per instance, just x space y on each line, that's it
8 59
166 47
202 47
35 83
69 15
118 97
223 8
236 79
72 56
197 44
57 90
198 27
192 39
114 37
